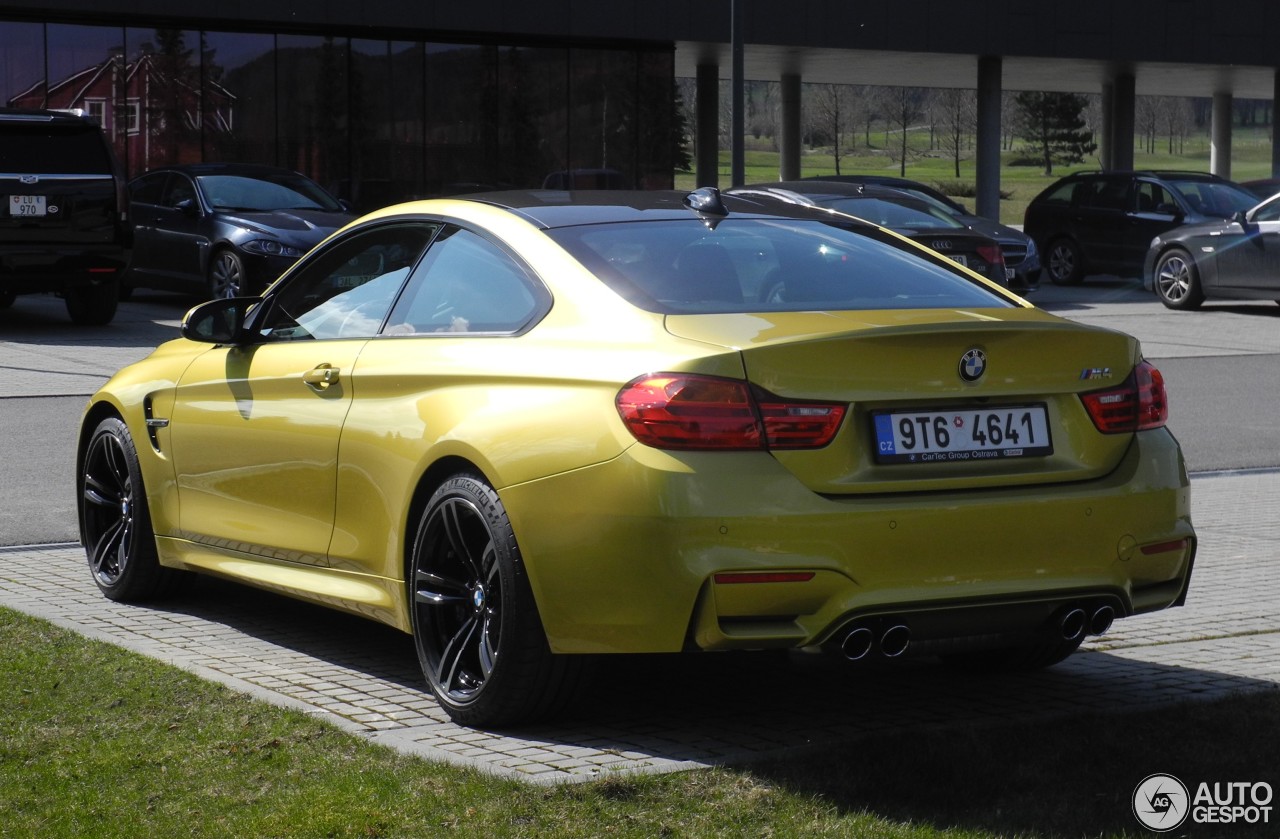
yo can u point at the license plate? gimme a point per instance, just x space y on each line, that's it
962 434
958 257
26 205
1009 273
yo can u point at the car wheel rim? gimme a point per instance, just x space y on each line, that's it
226 276
457 596
1062 262
1174 279
108 504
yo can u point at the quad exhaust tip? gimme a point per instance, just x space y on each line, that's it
861 641
1075 622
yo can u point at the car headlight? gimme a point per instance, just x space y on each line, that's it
270 247
1031 247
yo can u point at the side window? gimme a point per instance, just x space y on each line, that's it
1268 212
466 284
148 188
1152 198
1105 194
346 291
179 189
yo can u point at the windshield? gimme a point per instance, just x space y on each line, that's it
1215 198
286 191
768 265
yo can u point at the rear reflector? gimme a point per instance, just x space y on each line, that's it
1165 547
682 411
765 577
1137 405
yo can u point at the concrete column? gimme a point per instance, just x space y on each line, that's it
1124 104
987 201
1220 136
1105 137
789 129
1275 140
707 155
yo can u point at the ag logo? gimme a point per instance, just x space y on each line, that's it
1161 802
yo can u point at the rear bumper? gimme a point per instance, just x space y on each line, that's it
623 556
42 268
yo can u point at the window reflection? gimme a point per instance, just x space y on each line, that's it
164 81
22 64
375 121
238 85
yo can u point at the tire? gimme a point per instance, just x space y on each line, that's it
119 541
1064 262
1176 280
475 624
93 305
226 275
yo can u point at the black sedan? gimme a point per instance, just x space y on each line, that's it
225 229
900 212
1231 259
1021 259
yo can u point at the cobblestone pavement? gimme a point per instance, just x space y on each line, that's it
662 713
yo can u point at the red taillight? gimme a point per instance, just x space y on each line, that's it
992 254
1136 405
679 411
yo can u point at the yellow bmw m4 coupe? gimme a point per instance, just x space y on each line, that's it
533 427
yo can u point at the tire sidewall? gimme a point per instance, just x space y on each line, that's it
138 575
517 617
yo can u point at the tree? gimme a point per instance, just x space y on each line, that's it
957 112
1054 124
902 107
831 111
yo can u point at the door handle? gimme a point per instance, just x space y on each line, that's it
321 376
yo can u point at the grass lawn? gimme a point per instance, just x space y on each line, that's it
96 741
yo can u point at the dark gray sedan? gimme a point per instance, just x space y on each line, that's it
225 229
1231 259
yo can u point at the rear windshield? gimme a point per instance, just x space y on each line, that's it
767 265
918 216
53 150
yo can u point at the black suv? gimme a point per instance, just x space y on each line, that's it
62 224
1103 222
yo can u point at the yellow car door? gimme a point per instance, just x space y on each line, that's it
256 429
256 426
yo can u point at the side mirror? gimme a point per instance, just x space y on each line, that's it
1240 217
219 321
187 207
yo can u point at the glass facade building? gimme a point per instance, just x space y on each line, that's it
375 121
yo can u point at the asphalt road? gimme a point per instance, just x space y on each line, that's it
1221 367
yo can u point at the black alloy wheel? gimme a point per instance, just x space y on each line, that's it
117 534
1177 281
1065 262
226 275
475 624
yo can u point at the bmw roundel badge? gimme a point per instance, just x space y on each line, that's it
973 364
